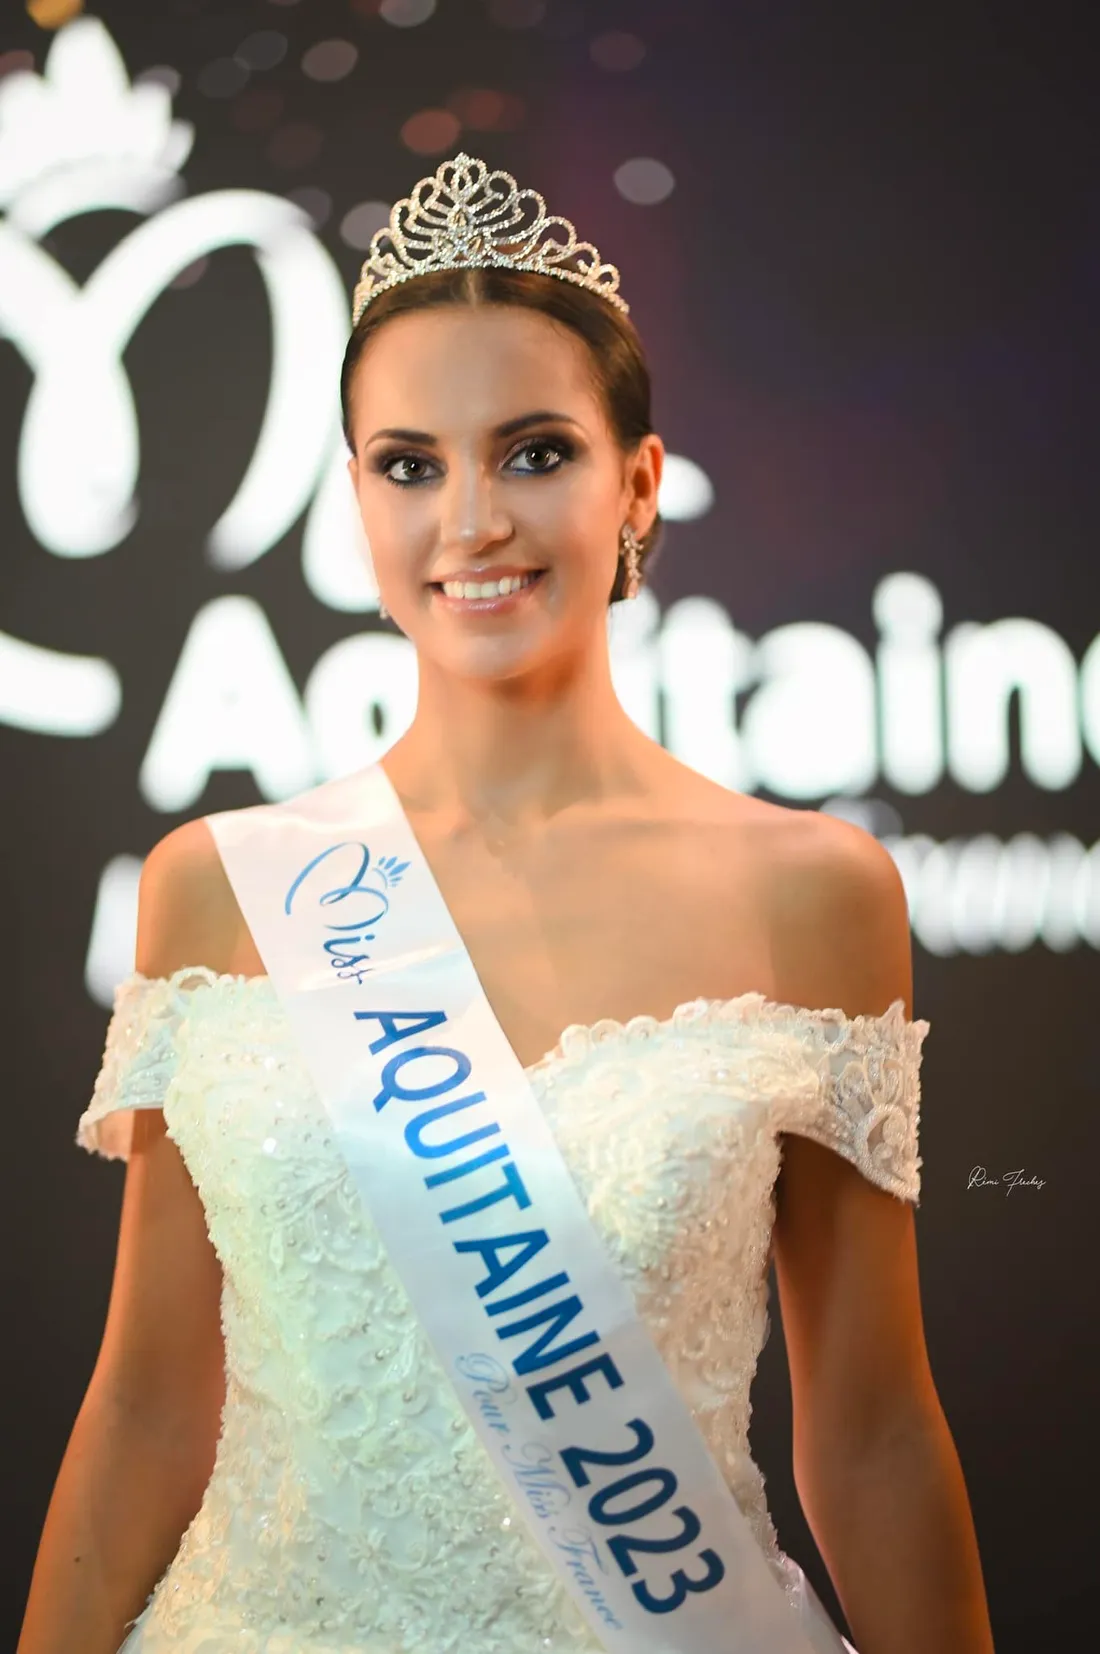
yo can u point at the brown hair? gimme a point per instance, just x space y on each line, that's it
619 369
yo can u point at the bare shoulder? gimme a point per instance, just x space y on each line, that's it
187 912
839 915
808 858
831 858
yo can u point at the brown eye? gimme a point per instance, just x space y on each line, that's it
388 461
557 451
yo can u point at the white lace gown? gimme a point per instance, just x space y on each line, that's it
352 1508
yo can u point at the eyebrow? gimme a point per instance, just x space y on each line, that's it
509 428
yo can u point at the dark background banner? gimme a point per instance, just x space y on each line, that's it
862 244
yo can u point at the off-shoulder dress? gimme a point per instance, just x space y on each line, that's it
352 1508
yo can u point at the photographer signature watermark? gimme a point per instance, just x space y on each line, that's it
979 1179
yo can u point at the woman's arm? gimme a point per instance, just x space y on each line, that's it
142 1448
875 1464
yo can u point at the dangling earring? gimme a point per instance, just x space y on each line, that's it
632 548
383 612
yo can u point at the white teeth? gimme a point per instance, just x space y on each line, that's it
488 588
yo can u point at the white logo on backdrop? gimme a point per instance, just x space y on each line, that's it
823 718
79 139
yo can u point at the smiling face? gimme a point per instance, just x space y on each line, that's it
483 448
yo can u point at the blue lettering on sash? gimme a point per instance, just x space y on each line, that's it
513 1185
449 1173
414 1131
551 1320
392 1087
572 1380
419 1022
529 1243
504 1306
533 1358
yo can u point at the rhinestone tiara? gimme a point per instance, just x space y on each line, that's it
464 216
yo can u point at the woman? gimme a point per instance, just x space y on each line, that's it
710 998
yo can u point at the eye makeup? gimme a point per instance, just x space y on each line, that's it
559 445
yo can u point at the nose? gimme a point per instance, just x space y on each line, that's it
471 512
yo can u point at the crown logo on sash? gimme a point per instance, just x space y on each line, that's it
391 869
464 216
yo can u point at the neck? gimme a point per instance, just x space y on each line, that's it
513 753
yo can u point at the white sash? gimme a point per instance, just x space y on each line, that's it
461 1175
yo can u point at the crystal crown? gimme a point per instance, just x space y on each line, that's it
464 215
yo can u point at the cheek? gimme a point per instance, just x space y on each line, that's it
395 524
590 535
579 507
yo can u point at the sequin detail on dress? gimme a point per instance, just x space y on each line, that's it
352 1509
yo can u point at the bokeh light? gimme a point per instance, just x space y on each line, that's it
431 131
686 490
484 110
358 226
161 74
405 14
314 201
54 14
644 181
330 60
262 50
617 51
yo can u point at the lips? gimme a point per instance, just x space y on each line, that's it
487 605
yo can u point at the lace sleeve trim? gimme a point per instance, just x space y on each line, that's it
867 1107
139 1058
865 1104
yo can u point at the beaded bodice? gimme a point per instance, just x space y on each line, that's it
352 1506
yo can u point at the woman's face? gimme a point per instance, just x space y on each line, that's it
482 448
